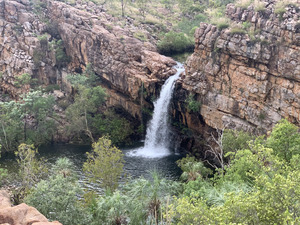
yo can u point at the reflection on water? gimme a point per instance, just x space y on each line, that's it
134 166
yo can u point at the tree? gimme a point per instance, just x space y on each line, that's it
57 197
285 140
30 120
111 124
88 99
105 164
31 169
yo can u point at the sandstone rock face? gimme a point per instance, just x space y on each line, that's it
242 80
123 62
21 214
19 29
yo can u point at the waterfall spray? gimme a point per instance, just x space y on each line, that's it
157 142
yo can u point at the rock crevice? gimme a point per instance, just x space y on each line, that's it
245 79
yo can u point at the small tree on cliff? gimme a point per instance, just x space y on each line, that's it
104 163
88 99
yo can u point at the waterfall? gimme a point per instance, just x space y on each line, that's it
157 142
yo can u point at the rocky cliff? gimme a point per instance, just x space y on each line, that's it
246 76
49 39
21 214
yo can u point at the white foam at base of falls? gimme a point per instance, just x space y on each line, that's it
157 142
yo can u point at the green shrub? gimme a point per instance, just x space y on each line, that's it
60 55
280 8
57 197
38 56
192 104
233 140
51 87
140 35
3 175
220 22
175 43
31 170
24 79
246 25
192 169
237 30
259 6
105 164
285 140
115 126
244 4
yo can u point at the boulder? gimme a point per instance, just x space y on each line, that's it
21 214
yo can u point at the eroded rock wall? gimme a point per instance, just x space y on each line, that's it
123 62
243 80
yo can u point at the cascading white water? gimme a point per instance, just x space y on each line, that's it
157 137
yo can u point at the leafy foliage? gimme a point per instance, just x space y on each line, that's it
29 120
285 140
88 99
31 169
175 43
140 201
260 185
193 169
56 198
192 104
104 164
234 140
113 125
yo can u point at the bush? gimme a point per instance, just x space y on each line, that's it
237 30
38 56
115 126
220 22
104 164
280 8
192 104
259 6
285 140
60 55
140 35
175 43
234 140
56 198
244 4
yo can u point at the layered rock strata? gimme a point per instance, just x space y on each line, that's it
124 63
245 78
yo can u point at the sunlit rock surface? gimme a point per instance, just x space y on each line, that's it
21 214
123 62
244 80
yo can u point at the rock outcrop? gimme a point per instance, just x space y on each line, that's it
123 62
21 214
244 79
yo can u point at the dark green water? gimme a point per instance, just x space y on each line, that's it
134 166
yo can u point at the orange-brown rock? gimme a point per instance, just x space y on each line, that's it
246 80
21 214
123 62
